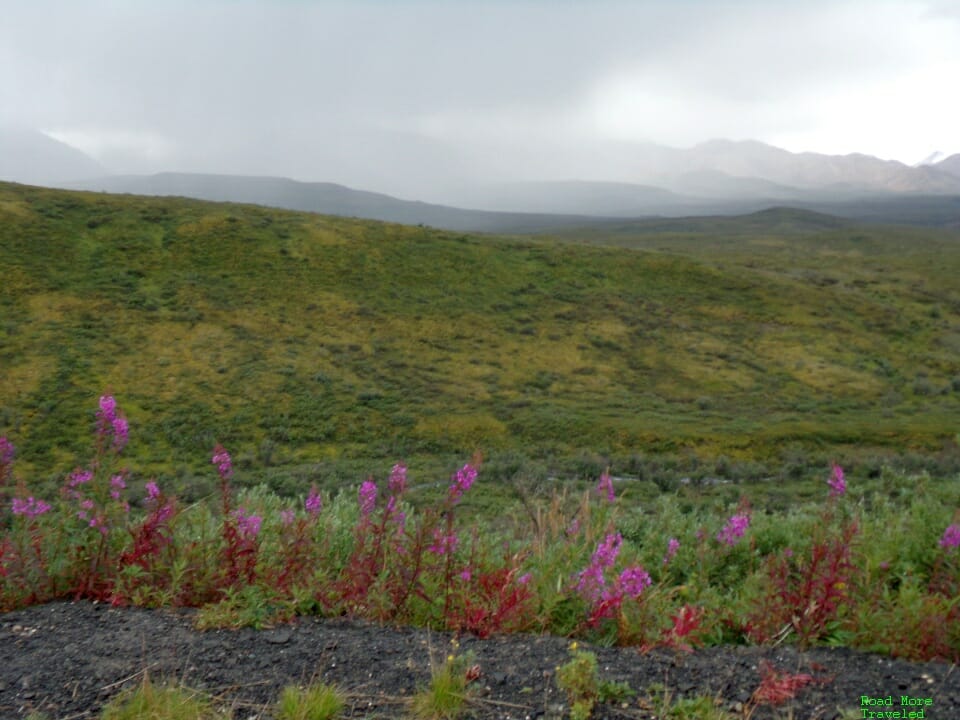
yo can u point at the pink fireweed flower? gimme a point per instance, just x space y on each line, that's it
398 479
838 486
591 583
79 477
164 512
444 544
29 507
367 497
590 580
462 481
466 575
108 408
734 529
100 523
314 503
248 525
951 537
605 488
117 484
7 451
110 422
287 517
396 516
120 432
86 506
153 491
633 581
524 579
221 458
672 546
607 551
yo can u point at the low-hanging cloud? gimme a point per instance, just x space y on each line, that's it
409 94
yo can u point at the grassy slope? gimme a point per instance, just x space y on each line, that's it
326 337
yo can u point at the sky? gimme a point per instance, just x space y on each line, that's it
393 94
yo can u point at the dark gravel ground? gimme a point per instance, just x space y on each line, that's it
67 659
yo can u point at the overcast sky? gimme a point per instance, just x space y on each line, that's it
364 91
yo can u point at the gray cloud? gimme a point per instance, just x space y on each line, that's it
403 94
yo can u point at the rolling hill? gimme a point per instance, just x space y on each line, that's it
326 198
297 339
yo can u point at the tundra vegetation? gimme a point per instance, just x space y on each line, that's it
324 348
875 568
264 356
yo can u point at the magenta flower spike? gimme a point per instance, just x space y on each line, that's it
108 408
120 432
367 496
672 547
605 488
221 458
398 479
111 423
591 582
29 507
462 481
248 525
117 485
444 544
607 551
634 580
7 451
734 529
951 537
314 503
837 483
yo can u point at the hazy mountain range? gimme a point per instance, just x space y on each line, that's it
32 158
719 177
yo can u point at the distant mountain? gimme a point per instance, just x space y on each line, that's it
716 177
575 196
326 198
812 171
718 185
950 165
932 159
719 177
33 158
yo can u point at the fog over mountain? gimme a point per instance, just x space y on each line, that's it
712 178
950 165
719 169
427 100
29 156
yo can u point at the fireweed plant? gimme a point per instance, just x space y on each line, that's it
851 568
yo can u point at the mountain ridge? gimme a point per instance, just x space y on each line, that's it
32 157
717 177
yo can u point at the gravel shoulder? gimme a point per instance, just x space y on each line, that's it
67 659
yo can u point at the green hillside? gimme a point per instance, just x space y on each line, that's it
295 338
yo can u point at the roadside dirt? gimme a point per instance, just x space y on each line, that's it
67 659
